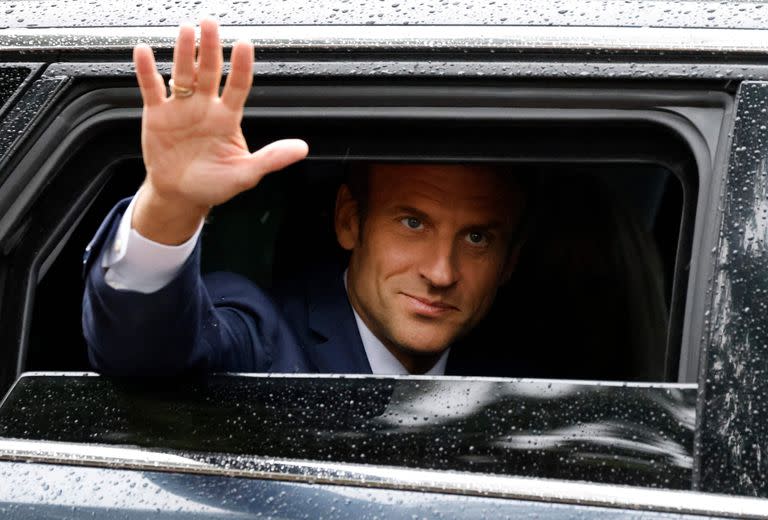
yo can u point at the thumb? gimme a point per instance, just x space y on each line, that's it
274 156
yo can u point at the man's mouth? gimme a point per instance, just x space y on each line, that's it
427 306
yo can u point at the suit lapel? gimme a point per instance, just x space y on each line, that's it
339 348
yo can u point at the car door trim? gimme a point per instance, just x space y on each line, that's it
385 477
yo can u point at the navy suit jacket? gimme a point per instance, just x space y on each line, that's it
220 322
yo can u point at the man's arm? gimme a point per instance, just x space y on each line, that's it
135 263
195 157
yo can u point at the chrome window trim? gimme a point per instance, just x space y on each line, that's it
384 477
586 382
428 37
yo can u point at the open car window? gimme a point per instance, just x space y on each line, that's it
601 284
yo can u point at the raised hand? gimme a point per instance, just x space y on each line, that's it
194 150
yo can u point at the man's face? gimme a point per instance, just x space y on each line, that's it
434 248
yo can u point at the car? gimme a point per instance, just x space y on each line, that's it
630 342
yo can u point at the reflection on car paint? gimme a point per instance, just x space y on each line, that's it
638 434
22 115
630 13
734 428
70 492
11 78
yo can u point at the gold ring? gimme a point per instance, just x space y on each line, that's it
180 92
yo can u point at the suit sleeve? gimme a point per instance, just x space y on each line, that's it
191 325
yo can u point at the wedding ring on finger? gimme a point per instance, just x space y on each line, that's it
180 92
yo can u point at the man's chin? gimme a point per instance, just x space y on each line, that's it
424 343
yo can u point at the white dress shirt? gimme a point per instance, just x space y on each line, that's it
135 263
382 361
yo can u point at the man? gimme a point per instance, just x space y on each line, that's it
429 246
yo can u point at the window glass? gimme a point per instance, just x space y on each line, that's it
627 434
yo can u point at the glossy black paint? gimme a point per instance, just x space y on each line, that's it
618 434
734 430
630 13
11 78
21 116
33 491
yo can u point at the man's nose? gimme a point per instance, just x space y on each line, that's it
440 267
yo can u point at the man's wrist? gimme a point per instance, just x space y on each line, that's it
165 220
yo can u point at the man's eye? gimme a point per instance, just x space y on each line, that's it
412 223
477 238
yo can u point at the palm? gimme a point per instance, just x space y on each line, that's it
200 150
194 150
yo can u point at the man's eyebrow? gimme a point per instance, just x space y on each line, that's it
411 211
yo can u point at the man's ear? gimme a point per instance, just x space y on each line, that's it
346 218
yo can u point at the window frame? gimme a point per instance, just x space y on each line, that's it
40 165
78 120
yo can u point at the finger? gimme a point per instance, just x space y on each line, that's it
211 58
275 156
150 81
240 76
183 72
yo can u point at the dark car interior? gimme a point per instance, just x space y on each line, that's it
590 299
598 293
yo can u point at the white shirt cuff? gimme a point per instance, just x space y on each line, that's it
135 263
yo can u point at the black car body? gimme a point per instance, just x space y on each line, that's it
670 421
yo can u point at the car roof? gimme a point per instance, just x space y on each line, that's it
582 13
